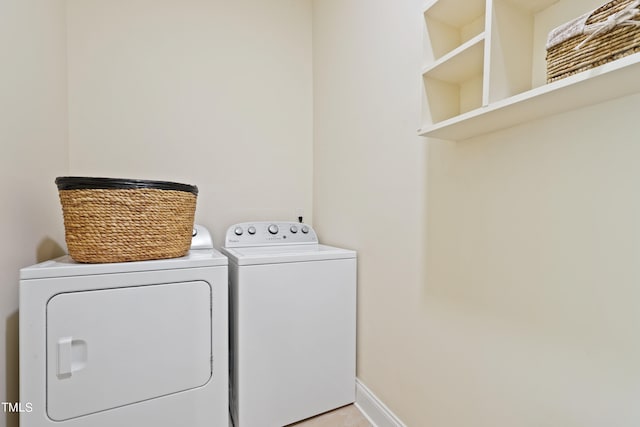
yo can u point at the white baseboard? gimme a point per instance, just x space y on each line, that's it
376 412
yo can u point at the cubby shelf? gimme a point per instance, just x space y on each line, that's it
452 23
485 68
610 81
460 64
457 13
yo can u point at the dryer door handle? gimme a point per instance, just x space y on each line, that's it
72 356
64 357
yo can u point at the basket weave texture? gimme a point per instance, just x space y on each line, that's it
569 57
119 225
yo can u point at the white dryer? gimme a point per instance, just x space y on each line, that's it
292 323
141 344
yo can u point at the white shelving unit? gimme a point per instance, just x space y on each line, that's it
485 70
455 57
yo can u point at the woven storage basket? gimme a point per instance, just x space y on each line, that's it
579 52
118 220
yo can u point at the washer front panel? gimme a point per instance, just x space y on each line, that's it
293 340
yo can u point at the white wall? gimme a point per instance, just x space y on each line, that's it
33 138
213 93
498 277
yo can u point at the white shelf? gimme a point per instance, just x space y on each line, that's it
453 83
534 5
460 64
485 66
607 82
451 24
456 13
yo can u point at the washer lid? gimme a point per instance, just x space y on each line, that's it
276 254
65 266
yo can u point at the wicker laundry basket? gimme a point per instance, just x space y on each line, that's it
118 220
608 33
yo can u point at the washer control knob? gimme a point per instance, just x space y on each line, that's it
304 229
273 229
251 230
293 229
238 231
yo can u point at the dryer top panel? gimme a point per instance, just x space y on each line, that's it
285 253
65 266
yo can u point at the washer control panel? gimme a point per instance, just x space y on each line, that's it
269 233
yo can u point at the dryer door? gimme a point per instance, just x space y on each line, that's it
113 347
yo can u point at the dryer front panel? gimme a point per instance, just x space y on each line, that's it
114 347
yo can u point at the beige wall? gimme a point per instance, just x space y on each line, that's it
498 277
213 93
34 151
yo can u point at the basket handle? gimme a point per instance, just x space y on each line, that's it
624 17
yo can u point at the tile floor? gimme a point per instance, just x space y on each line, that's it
347 416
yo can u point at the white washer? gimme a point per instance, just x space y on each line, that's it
293 324
126 344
